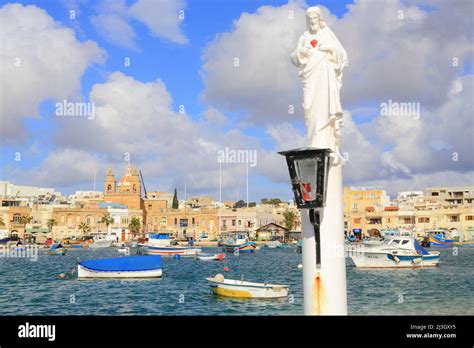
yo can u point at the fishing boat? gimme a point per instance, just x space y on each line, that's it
124 250
243 289
402 252
121 267
57 249
273 244
239 241
210 257
102 241
163 244
439 239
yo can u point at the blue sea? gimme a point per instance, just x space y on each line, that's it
30 287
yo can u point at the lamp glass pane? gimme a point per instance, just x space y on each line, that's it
307 170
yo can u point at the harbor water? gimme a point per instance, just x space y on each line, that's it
30 287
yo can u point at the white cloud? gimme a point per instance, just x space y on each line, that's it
51 62
396 51
161 17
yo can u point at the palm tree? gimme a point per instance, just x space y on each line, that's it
134 225
107 220
84 227
2 223
24 220
290 217
50 223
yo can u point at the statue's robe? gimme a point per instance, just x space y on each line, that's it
322 80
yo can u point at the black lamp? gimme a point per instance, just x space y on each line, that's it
308 169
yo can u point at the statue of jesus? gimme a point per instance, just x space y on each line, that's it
321 58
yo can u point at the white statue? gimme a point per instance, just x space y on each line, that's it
321 59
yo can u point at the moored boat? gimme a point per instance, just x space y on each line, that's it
57 249
402 252
121 267
171 251
210 257
239 242
243 289
439 239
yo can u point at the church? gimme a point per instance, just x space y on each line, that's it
127 191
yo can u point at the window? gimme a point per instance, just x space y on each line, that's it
17 218
233 222
357 220
134 188
356 196
175 221
424 219
193 221
109 188
404 242
388 220
454 218
239 223
355 207
469 217
150 206
434 193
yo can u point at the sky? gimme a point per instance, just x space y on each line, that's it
176 83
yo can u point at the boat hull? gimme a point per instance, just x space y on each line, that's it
247 247
57 252
247 290
83 272
163 251
216 257
389 260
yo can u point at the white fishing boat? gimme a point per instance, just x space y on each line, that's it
273 244
124 250
163 244
102 240
210 257
401 252
121 267
243 289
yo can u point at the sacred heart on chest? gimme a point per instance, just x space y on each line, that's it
314 42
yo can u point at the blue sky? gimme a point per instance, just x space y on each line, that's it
191 80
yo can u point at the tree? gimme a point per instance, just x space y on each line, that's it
252 204
107 220
175 200
2 223
290 217
84 227
134 225
239 204
24 220
50 223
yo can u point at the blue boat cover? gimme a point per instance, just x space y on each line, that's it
55 246
419 249
124 264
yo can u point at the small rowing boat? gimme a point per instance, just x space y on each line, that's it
210 257
243 289
121 267
57 249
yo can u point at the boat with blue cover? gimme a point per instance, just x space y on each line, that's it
122 267
164 244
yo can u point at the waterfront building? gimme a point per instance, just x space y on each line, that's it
461 195
8 189
272 231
